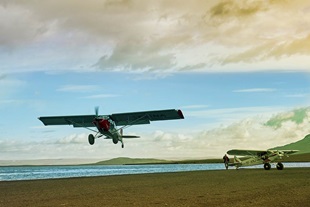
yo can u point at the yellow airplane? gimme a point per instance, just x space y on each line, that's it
257 157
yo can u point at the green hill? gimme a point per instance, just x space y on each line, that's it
130 161
304 150
302 156
302 145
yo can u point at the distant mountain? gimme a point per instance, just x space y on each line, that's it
302 145
130 161
41 162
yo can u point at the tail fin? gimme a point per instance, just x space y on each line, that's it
237 160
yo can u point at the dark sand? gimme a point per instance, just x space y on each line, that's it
244 187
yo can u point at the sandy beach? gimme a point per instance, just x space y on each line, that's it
244 187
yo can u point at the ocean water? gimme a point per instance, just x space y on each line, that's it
52 172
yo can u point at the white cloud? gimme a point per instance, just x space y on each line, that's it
195 107
229 115
251 130
9 86
298 95
154 36
78 88
100 96
73 139
254 90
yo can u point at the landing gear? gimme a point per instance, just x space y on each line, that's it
280 166
115 140
91 139
267 166
122 145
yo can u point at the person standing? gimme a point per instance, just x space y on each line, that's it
226 161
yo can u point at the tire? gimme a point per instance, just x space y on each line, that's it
91 139
280 166
267 166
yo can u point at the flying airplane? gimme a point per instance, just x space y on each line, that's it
257 157
107 124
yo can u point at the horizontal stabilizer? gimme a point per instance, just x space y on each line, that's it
130 136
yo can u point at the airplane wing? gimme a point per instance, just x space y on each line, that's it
120 119
258 152
145 117
247 152
289 151
286 152
76 121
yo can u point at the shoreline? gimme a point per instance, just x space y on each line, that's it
136 161
244 187
21 173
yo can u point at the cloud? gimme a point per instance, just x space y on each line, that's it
248 133
299 95
100 96
72 139
78 88
155 36
86 89
254 90
231 113
297 116
226 10
8 86
135 59
195 107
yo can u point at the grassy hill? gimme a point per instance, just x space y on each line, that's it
136 161
302 156
130 161
302 145
297 158
304 150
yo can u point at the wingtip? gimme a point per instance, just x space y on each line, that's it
180 114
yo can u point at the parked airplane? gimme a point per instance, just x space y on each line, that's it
256 157
106 124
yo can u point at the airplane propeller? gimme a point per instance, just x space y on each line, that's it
97 111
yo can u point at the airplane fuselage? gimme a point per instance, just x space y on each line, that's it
257 157
260 160
107 128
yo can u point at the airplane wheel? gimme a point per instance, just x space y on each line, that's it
91 139
280 166
122 145
267 166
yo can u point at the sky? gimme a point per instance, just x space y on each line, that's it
233 67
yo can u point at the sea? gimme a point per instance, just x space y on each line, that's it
13 173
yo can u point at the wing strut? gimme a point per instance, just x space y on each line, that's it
133 122
81 125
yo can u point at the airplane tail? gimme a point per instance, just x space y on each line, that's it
237 160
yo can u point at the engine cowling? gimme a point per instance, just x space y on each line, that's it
104 124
